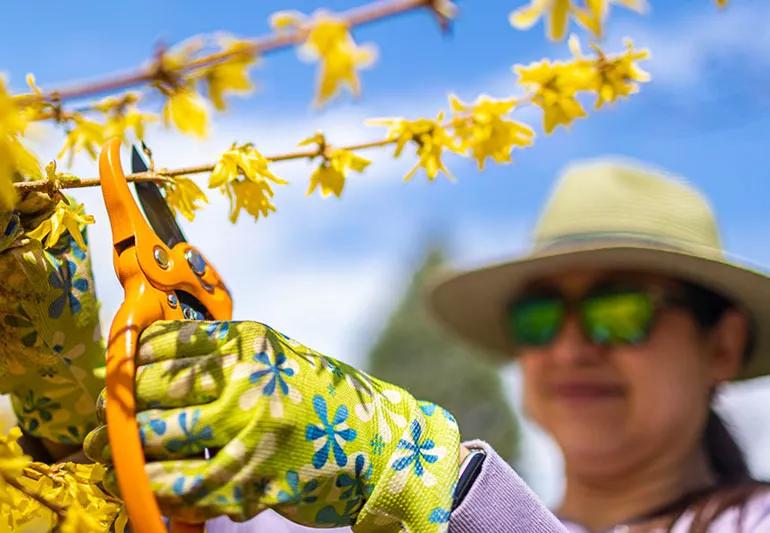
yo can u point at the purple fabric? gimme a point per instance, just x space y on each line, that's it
499 501
756 519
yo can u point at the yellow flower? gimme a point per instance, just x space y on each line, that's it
485 129
595 14
186 109
180 55
123 115
431 138
183 195
556 10
553 88
616 76
12 463
16 161
130 119
232 75
67 215
330 42
36 109
253 197
78 520
722 3
242 174
12 458
83 135
73 487
286 20
592 16
330 175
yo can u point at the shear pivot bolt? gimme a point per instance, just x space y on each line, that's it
161 257
191 314
173 301
196 262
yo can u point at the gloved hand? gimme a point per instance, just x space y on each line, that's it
50 341
310 437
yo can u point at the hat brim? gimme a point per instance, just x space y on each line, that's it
473 303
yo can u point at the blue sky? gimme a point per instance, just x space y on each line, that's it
329 271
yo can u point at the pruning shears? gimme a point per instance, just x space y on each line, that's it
164 278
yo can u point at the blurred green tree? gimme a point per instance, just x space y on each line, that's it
414 352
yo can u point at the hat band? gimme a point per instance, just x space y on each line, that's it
581 240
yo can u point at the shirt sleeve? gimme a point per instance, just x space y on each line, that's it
758 513
500 501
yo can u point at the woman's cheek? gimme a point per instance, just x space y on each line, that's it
533 387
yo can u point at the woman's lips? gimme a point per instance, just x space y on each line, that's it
586 391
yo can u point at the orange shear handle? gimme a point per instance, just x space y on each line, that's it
151 274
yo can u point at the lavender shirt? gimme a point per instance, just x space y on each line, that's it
500 502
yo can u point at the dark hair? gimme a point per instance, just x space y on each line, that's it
734 484
708 306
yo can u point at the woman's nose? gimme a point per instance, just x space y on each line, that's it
572 347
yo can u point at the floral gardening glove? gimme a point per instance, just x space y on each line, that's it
288 428
50 341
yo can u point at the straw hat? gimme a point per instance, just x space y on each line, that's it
611 216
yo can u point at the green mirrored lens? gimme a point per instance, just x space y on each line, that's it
536 321
615 318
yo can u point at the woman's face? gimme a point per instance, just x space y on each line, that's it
611 407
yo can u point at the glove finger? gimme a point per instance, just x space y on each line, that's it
174 339
187 431
235 482
96 446
184 492
190 489
170 339
183 382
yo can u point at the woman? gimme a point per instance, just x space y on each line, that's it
625 320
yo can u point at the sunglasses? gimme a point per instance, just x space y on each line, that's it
609 314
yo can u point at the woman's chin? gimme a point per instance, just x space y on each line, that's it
592 442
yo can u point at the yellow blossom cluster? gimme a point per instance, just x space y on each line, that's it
486 131
554 85
242 175
185 108
429 135
174 75
122 114
66 496
331 174
329 42
184 196
69 216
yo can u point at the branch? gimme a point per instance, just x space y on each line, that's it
164 175
259 45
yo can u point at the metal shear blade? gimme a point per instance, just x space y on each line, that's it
155 208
